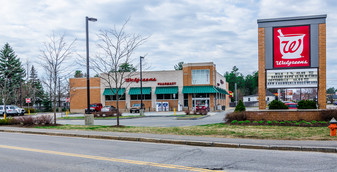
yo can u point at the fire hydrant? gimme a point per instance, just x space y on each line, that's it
333 127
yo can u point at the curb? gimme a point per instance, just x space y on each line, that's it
187 142
192 118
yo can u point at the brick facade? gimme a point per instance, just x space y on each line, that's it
280 115
322 67
262 71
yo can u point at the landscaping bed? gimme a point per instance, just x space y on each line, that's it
282 123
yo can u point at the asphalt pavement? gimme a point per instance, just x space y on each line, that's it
294 145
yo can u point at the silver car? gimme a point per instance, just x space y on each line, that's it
11 110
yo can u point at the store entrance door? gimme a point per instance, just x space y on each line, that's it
200 102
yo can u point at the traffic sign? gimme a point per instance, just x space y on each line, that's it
27 100
68 99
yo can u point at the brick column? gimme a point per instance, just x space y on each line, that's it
262 72
322 67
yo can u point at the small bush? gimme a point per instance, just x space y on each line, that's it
234 121
255 122
276 104
240 116
44 119
327 115
260 122
25 120
306 104
269 122
240 107
187 111
241 122
5 121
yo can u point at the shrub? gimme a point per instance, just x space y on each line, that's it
234 121
327 115
25 120
5 121
32 110
276 104
187 111
306 104
241 122
44 119
240 116
240 107
260 122
269 122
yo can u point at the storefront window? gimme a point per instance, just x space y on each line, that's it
138 97
200 95
113 97
185 100
200 77
166 96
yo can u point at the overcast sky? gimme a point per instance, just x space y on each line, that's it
221 31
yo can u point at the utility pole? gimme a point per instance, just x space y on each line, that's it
236 95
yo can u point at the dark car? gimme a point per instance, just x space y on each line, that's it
201 107
136 107
108 109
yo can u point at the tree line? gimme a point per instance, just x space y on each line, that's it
246 85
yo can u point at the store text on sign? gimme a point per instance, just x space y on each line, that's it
137 79
292 78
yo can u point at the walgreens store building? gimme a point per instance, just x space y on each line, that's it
197 84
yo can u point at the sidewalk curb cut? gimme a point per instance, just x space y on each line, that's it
187 142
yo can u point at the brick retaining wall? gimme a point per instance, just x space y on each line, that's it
290 115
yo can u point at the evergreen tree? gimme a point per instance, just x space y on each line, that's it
78 74
179 66
11 72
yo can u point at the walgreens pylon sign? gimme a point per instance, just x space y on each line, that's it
291 46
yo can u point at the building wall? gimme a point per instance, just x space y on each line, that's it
78 93
262 65
179 77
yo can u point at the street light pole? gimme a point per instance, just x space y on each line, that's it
87 19
141 111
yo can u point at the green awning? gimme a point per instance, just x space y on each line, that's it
222 91
136 91
199 89
108 91
166 90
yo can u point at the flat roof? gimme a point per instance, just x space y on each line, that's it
323 16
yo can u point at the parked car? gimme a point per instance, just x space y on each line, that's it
335 103
11 110
95 107
202 107
108 109
136 107
291 105
20 111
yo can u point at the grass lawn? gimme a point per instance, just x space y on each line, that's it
82 117
221 130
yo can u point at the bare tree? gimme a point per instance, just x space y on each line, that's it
116 47
54 55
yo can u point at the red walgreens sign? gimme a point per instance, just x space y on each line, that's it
291 46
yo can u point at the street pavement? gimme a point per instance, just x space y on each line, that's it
295 145
31 152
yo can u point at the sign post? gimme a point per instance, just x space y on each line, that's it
28 101
174 104
67 111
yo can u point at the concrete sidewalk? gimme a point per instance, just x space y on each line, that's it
294 145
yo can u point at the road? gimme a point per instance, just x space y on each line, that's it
24 152
154 121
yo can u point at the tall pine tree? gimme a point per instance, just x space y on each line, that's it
11 72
